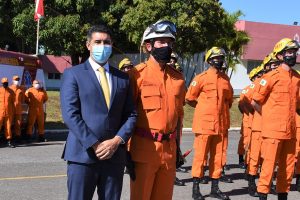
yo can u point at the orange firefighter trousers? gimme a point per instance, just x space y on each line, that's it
155 169
17 125
33 116
204 144
225 146
254 152
284 152
6 121
297 167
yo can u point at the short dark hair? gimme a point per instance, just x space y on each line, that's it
98 29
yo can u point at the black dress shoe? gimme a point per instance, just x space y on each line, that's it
10 144
178 182
42 139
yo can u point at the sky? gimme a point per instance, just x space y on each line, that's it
269 11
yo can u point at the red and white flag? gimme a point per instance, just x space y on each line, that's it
39 9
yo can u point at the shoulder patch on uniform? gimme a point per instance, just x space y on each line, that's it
244 91
263 82
194 83
140 66
252 85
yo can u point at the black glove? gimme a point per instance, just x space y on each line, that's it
130 166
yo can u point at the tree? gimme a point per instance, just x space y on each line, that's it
233 40
199 22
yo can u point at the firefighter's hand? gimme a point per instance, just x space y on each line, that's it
107 148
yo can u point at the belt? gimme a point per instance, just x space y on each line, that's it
159 137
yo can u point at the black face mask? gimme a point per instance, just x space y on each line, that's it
162 55
290 60
5 85
217 63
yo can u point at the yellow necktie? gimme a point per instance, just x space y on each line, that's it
104 85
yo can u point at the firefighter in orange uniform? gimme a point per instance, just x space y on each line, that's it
247 111
253 146
159 94
277 100
6 110
19 99
211 93
224 178
36 97
269 63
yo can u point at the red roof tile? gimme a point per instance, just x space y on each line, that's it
55 64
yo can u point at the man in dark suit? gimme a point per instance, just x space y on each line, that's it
97 107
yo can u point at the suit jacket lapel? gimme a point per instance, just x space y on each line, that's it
95 81
114 80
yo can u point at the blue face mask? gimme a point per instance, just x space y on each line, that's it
101 53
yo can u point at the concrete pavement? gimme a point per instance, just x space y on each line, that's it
35 171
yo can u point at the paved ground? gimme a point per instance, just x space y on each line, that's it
35 172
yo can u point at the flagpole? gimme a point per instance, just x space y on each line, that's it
37 37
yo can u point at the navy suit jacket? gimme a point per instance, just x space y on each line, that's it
89 120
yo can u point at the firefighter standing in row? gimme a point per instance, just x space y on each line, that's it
209 92
224 178
254 144
159 95
36 96
19 99
6 110
247 111
277 100
269 63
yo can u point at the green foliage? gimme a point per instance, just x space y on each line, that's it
233 40
201 24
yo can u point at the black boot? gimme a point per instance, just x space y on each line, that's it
178 182
224 178
262 196
252 186
242 162
298 182
273 188
226 167
10 144
216 192
180 169
42 138
203 180
196 190
282 196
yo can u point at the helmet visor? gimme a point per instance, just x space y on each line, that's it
162 27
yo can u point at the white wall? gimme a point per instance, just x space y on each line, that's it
52 84
239 79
